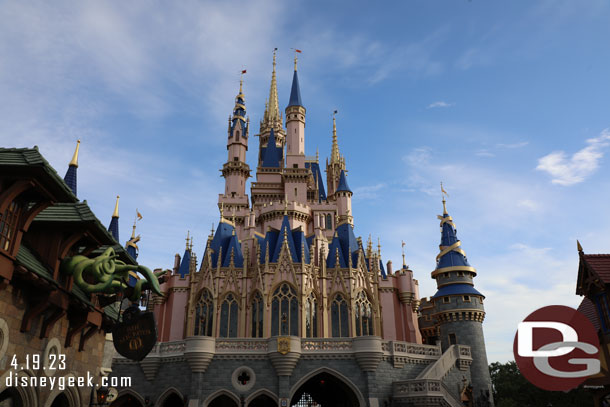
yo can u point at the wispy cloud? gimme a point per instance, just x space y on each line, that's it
369 191
513 145
439 104
575 169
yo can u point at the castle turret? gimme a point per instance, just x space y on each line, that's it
235 171
70 177
458 306
335 165
295 125
113 228
343 196
132 244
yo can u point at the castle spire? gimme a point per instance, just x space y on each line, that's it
131 246
295 92
113 228
334 156
272 112
70 177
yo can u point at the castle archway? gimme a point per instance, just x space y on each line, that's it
127 398
326 388
223 401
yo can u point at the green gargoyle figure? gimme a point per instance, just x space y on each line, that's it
108 275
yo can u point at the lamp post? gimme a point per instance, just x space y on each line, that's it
101 397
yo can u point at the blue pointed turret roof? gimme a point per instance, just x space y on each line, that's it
343 183
457 289
285 231
272 153
185 264
295 92
268 242
451 251
235 248
346 241
221 240
239 111
383 273
132 252
113 228
70 178
317 176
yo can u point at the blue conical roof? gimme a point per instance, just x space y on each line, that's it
113 228
333 249
185 264
220 241
343 183
70 178
455 257
272 154
295 92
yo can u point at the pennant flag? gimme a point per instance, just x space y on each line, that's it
336 112
403 243
298 50
139 215
244 71
275 49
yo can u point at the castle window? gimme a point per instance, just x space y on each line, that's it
460 274
452 339
311 317
295 192
466 298
339 317
204 312
364 315
228 317
295 165
284 311
8 225
446 300
237 134
257 316
329 221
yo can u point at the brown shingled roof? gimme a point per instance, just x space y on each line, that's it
600 264
588 309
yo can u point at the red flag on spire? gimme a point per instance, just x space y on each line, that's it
298 50
244 71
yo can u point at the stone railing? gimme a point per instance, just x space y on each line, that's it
400 353
442 366
428 392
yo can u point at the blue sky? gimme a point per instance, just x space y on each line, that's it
505 102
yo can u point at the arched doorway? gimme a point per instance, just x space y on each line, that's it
61 401
223 401
10 398
326 390
173 400
263 400
127 400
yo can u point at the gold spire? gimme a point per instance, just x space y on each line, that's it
444 193
295 61
133 230
188 233
115 214
404 262
334 156
273 110
222 210
74 162
379 246
578 246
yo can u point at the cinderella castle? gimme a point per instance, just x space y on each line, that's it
286 306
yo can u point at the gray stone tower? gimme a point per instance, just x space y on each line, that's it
458 308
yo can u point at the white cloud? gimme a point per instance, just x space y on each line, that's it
440 104
369 191
484 153
569 171
513 145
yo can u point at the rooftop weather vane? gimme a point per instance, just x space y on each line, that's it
444 194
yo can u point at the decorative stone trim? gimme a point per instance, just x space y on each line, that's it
199 352
238 375
368 352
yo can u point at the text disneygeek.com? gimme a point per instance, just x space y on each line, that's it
14 379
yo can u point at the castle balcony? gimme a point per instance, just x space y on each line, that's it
284 351
423 393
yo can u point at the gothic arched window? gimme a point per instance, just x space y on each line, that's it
364 315
339 317
284 311
257 315
228 317
329 221
204 311
311 317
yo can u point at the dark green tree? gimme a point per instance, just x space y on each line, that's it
511 389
